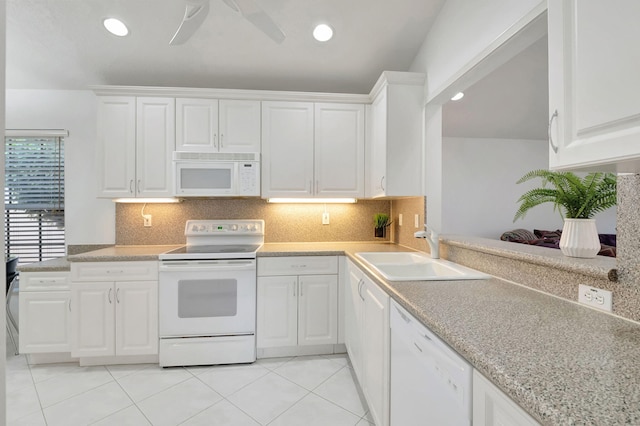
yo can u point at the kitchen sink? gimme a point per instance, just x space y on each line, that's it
410 266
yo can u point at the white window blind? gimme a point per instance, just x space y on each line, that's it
34 198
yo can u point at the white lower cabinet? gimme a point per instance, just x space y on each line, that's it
44 320
491 407
297 301
114 316
367 337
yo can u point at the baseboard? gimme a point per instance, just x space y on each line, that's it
300 351
115 360
50 358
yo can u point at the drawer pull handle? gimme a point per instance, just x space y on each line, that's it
69 305
110 290
118 295
416 345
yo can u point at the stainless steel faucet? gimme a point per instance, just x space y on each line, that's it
432 238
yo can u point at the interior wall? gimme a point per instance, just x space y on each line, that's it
283 222
462 31
88 220
481 194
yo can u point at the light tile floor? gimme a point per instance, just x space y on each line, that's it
311 390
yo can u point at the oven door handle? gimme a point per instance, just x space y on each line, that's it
218 265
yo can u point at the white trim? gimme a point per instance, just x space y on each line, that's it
260 95
36 133
397 77
477 68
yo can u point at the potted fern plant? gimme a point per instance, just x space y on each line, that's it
579 199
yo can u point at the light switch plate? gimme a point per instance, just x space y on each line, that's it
417 221
147 220
595 297
400 219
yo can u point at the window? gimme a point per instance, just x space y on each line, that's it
34 198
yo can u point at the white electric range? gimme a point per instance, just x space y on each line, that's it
207 294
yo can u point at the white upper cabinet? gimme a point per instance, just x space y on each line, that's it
136 138
593 85
394 140
211 125
155 142
312 150
116 146
339 150
287 149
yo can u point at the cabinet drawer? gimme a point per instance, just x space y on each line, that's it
297 265
114 271
44 281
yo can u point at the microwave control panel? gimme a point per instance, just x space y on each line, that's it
249 178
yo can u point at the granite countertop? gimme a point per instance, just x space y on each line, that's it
59 264
326 249
563 363
599 266
122 253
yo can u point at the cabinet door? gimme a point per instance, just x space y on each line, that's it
239 126
92 319
116 146
378 145
155 143
353 318
376 348
196 125
136 318
287 149
317 309
593 85
277 322
491 407
339 150
44 321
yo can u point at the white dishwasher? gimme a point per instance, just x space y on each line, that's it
430 382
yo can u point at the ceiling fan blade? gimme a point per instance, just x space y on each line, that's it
194 15
258 17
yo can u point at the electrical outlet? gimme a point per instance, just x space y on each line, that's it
325 218
417 221
595 297
147 220
400 219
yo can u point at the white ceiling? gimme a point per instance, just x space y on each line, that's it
510 103
61 44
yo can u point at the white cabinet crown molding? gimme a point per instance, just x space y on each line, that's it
206 93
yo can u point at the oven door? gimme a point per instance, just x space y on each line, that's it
205 178
207 297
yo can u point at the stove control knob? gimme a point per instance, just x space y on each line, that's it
234 227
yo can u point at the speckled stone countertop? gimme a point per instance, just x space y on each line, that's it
325 249
600 266
59 264
122 253
563 363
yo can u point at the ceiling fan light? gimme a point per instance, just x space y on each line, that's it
116 27
323 32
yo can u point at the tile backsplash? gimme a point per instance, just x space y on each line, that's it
283 222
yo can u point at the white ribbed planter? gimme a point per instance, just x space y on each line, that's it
580 238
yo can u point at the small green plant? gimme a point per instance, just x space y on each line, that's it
381 220
580 198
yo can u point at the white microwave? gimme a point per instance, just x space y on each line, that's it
216 174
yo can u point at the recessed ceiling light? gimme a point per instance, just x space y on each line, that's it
323 32
458 96
116 27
